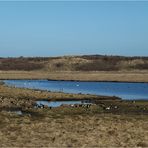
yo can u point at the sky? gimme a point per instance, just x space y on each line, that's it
35 28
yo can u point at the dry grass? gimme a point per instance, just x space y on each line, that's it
102 130
134 76
69 127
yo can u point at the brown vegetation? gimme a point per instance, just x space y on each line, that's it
75 63
73 130
20 64
121 76
124 126
81 68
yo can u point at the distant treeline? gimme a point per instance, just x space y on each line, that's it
75 63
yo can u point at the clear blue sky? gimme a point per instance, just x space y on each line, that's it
73 28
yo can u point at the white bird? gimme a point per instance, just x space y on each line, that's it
108 108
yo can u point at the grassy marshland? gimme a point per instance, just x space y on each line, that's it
124 124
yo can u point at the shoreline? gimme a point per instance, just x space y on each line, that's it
39 94
62 80
33 95
93 96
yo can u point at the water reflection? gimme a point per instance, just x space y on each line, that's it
129 91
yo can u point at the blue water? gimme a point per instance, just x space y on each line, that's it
127 91
59 103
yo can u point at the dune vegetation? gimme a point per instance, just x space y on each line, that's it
75 63
81 68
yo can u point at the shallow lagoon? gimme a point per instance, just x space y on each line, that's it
127 91
59 103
